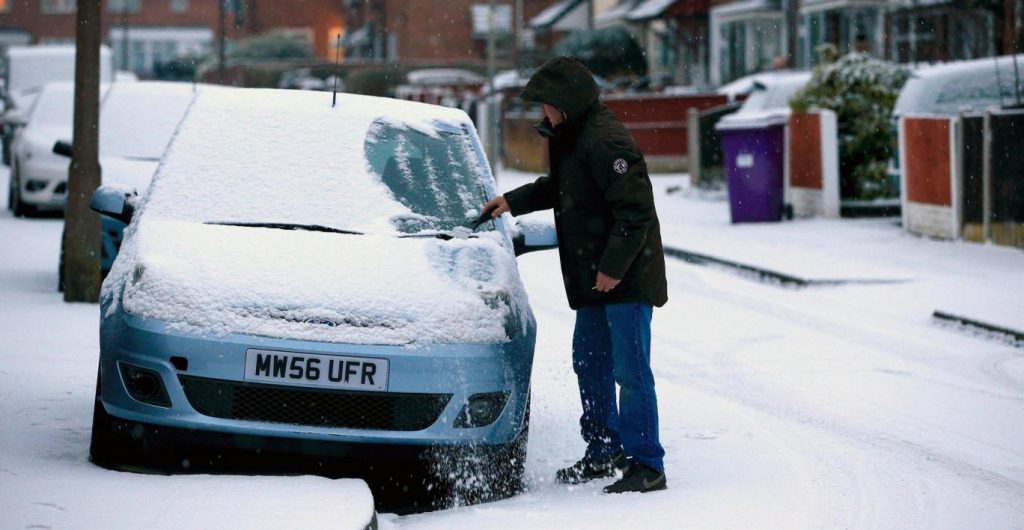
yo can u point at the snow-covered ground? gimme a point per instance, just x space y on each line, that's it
780 408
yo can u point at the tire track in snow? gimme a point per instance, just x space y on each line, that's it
753 394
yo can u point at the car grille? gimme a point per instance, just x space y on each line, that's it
314 407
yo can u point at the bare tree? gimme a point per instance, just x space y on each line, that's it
81 225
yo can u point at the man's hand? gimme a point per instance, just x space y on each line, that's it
605 283
496 206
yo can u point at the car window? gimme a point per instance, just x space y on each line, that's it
434 173
54 108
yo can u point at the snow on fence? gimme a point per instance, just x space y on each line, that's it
813 164
928 175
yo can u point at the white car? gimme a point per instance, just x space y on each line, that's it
137 121
38 176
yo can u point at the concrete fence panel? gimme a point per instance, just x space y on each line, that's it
928 153
813 159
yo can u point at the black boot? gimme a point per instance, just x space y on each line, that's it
639 479
588 469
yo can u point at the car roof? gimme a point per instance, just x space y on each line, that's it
949 88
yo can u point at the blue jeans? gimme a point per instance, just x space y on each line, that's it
612 344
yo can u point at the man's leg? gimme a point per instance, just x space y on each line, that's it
630 330
592 362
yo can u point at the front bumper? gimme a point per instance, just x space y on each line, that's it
43 185
458 370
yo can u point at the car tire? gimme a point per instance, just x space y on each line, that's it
507 466
482 473
19 208
107 447
60 266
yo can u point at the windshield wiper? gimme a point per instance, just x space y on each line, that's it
458 232
287 226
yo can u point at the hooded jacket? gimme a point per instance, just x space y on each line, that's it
600 190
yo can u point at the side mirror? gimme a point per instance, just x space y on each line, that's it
532 235
62 148
113 202
15 118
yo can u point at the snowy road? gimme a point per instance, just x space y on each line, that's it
780 408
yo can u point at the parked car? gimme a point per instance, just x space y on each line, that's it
300 278
137 120
27 70
950 88
39 177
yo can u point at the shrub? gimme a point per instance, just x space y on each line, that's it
862 91
607 52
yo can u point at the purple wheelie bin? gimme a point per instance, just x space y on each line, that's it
753 149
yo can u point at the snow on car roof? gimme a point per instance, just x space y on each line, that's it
138 118
33 66
252 149
969 86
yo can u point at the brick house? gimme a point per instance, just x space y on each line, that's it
145 33
424 32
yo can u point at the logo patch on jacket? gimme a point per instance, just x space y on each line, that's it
620 166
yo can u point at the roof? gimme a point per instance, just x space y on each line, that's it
745 7
444 77
616 13
553 14
650 9
971 86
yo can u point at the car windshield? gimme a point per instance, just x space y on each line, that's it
54 107
432 172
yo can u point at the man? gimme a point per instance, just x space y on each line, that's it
613 267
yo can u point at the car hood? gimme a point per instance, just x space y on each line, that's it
316 286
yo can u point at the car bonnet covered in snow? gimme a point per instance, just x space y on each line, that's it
355 188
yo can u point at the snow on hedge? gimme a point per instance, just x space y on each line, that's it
244 156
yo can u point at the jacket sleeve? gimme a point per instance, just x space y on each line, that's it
621 173
538 195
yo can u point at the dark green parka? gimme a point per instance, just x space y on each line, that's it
600 191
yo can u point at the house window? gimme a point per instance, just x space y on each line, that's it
732 62
57 7
124 6
179 6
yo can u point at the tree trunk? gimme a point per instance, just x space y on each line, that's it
81 225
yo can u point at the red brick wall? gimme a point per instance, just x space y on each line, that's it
323 16
428 30
26 15
658 123
805 150
927 154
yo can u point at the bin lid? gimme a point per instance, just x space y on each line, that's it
753 120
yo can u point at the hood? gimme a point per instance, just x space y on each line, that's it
564 83
315 286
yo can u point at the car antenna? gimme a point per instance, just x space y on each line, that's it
337 71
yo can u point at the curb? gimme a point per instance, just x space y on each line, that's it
1014 335
765 275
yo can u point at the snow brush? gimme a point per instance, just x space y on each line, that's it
463 232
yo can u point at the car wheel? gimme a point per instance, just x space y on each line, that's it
19 208
507 466
481 473
107 447
60 266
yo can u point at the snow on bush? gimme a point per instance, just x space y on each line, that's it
862 91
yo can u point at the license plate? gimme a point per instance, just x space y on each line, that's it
316 370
